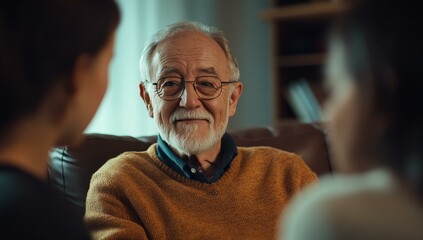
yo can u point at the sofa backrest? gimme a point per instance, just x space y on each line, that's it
70 168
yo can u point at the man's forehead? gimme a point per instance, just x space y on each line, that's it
189 51
189 35
190 42
169 69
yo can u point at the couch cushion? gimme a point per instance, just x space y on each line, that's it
71 168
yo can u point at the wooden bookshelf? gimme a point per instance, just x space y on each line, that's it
315 59
298 35
305 11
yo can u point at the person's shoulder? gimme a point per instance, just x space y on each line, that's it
357 184
130 159
334 187
279 159
125 166
31 204
16 184
282 163
312 210
283 160
338 202
306 217
269 153
20 188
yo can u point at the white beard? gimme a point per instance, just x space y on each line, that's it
188 141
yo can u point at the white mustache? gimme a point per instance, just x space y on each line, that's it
181 114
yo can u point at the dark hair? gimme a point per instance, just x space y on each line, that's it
384 54
39 44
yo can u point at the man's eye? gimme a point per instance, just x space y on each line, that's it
208 83
171 82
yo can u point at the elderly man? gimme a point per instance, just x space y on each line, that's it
194 183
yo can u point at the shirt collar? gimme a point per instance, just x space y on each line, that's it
227 153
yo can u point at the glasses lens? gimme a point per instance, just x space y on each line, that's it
208 86
169 88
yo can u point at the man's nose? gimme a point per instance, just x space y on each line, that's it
189 98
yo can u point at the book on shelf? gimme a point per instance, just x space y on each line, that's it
303 101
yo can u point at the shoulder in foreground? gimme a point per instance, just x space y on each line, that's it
310 215
353 207
337 186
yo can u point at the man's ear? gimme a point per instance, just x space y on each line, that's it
233 100
146 97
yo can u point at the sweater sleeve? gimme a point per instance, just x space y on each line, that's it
301 179
107 213
298 175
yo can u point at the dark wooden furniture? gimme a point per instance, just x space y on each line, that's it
299 30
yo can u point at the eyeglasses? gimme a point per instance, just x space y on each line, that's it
206 87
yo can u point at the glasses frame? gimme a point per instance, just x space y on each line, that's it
183 83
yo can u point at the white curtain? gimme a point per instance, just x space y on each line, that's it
122 111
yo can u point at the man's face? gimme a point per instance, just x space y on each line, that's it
189 124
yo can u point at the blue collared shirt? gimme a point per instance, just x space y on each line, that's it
228 152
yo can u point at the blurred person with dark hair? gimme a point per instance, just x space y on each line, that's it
54 60
375 71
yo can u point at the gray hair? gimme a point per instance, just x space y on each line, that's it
173 29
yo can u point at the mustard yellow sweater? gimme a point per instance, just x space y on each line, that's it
137 196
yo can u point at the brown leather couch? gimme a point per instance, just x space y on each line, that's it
70 168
